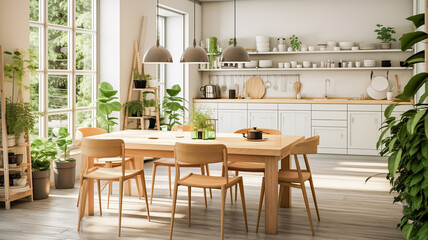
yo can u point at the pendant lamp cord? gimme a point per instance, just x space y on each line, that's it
194 23
157 23
234 23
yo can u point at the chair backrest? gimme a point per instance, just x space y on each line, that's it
266 130
184 128
87 132
307 146
103 148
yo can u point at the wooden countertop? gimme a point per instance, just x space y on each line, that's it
296 101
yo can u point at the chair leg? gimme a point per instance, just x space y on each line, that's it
236 187
82 204
136 179
189 200
169 180
208 173
231 196
99 196
305 197
80 186
244 208
174 204
143 182
281 190
110 190
120 203
262 195
205 190
153 182
314 197
223 203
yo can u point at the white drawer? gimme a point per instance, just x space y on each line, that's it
364 108
331 137
232 106
329 107
329 115
262 106
329 123
212 106
332 150
399 108
294 106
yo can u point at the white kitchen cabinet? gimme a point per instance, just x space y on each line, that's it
332 139
296 123
363 132
263 119
231 120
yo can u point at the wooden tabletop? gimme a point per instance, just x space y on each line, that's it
235 143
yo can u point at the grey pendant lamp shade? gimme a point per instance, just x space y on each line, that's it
194 54
157 54
234 53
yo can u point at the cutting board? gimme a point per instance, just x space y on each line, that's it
255 88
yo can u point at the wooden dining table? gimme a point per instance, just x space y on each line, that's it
160 144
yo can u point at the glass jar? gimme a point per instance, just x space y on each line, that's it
209 132
196 134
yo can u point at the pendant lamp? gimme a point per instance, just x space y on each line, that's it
194 54
234 53
157 54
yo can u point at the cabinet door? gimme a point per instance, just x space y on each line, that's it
331 137
296 123
263 119
231 120
363 129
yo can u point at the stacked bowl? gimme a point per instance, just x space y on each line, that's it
263 43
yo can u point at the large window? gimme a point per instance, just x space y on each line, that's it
63 38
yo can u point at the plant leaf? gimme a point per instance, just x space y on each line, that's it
174 90
107 93
393 166
407 230
426 127
412 87
418 19
416 179
416 119
410 39
422 98
418 57
389 109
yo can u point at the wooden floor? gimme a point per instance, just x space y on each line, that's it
349 209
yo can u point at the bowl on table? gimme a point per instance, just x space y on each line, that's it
346 45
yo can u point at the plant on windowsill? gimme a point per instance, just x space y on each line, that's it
43 151
407 144
65 166
385 35
295 43
173 107
106 106
200 120
134 108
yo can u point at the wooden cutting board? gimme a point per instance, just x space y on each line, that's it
255 88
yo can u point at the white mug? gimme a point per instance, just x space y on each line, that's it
311 48
280 65
281 47
293 64
349 64
336 48
304 48
357 64
314 65
240 65
289 49
287 65
389 96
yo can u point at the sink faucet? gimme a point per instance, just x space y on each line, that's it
325 87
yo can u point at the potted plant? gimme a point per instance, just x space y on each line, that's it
295 43
152 105
199 119
139 81
213 51
65 166
134 108
106 106
385 35
173 107
146 104
43 151
406 145
152 83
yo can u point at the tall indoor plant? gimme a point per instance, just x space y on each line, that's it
106 106
173 107
407 144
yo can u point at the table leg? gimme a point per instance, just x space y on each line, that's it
87 163
286 195
128 191
271 195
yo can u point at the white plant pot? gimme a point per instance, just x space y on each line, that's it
152 111
146 111
21 140
146 124
385 45
152 83
11 140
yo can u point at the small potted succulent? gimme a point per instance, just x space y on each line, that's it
65 166
139 80
295 43
43 151
385 35
134 108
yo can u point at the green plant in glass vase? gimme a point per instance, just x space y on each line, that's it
405 140
106 106
200 120
173 107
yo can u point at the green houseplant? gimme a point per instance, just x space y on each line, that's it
405 141
173 106
200 120
139 81
213 51
152 106
385 35
65 166
134 108
43 151
106 106
20 118
295 43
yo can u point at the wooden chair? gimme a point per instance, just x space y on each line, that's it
171 163
297 177
250 166
104 162
204 154
106 148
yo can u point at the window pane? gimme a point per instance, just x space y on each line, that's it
57 91
84 119
84 90
34 10
84 10
35 91
35 133
57 49
58 12
57 121
84 51
35 46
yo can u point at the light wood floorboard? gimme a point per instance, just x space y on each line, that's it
349 209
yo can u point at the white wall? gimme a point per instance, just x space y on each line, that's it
313 21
